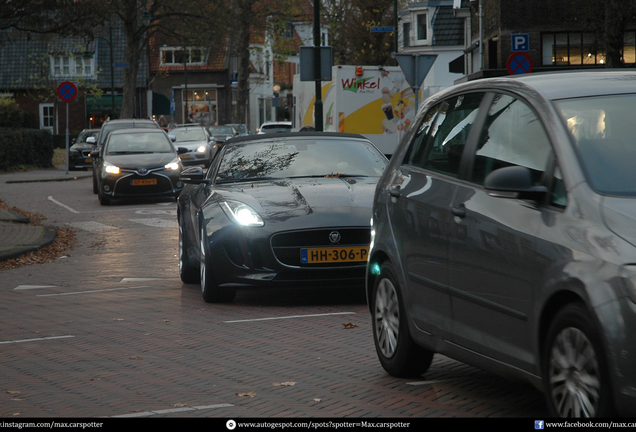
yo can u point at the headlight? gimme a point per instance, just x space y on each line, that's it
242 214
111 169
202 149
174 165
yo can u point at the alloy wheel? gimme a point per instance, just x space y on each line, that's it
387 317
574 375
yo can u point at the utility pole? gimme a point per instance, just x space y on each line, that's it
318 123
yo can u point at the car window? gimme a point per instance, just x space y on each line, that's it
183 135
448 134
138 143
300 158
512 135
602 130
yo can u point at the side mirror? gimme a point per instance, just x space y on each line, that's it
514 182
172 138
91 140
181 150
193 175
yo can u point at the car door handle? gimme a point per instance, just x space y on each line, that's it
459 212
395 191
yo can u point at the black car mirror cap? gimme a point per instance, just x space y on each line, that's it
193 175
181 150
514 182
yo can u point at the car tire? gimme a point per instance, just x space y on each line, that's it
575 373
210 290
188 272
103 199
399 355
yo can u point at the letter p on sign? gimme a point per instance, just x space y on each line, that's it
520 42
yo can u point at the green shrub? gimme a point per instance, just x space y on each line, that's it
25 147
11 116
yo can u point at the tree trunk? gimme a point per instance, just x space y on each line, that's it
243 49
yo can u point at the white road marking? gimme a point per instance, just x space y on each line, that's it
92 226
90 292
36 339
28 287
62 205
290 317
137 279
156 222
172 410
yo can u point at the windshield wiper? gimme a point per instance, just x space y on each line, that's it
246 180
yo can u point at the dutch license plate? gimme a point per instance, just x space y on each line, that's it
88 160
184 156
334 254
144 182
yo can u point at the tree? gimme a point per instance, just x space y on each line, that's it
256 20
608 19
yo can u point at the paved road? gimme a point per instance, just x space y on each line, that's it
111 331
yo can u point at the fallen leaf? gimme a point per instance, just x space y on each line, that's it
118 319
135 358
178 405
13 392
349 325
285 384
317 400
249 393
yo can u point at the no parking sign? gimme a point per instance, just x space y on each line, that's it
519 63
67 91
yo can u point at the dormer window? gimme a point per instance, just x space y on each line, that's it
71 66
422 27
171 56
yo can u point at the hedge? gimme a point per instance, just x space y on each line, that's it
20 147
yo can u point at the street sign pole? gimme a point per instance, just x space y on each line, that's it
67 92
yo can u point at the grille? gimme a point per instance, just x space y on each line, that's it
287 246
124 186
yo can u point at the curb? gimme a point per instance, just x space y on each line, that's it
48 237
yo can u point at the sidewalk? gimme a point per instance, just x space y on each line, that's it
17 235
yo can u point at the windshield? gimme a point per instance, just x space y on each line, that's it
108 128
602 128
183 135
300 158
222 130
276 128
141 142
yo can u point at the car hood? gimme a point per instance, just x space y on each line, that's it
190 145
82 146
344 201
221 137
144 160
620 217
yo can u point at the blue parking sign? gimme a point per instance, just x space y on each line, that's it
520 42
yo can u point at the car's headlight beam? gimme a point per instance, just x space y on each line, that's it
242 214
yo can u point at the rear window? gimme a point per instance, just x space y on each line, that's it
276 128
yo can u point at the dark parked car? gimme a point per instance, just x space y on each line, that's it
222 133
80 151
111 125
135 163
240 128
505 237
281 210
196 139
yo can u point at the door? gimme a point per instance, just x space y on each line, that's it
419 209
493 255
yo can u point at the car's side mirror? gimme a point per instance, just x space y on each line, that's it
91 140
514 182
193 175
172 138
181 150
